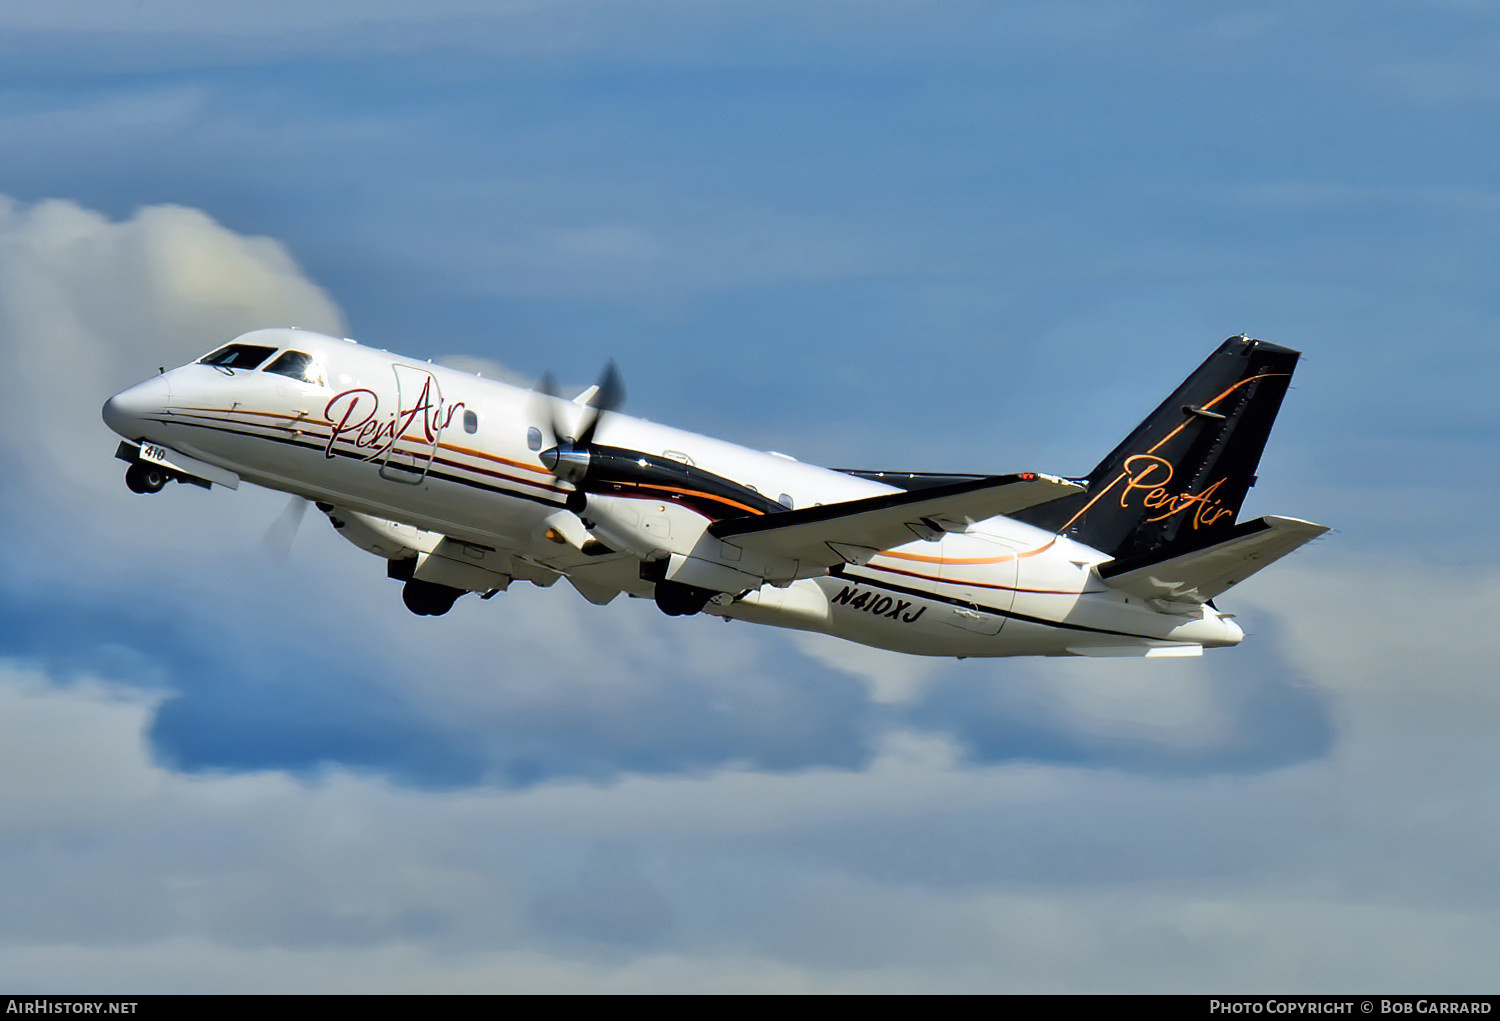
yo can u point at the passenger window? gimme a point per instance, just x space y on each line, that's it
297 365
471 423
534 438
786 501
237 356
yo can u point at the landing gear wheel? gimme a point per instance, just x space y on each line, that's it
678 600
426 599
145 478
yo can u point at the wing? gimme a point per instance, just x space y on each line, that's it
854 531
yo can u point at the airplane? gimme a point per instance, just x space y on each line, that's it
463 484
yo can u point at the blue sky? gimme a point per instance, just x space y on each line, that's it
953 236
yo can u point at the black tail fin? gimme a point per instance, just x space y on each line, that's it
1178 480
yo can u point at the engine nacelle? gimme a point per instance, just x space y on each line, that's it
643 528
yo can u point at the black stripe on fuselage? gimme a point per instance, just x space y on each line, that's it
839 572
712 507
621 467
909 481
291 441
843 572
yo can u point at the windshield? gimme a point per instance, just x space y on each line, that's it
238 356
298 366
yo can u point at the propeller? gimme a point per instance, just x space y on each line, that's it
568 457
279 536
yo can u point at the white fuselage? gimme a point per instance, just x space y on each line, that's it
455 455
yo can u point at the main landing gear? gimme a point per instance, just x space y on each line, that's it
678 600
424 598
144 477
427 599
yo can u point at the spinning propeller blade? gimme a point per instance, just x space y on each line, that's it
568 456
609 396
279 536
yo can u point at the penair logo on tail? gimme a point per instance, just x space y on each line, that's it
1146 479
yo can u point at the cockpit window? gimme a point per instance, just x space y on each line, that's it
238 356
298 366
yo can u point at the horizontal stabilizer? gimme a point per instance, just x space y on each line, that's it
854 531
1202 574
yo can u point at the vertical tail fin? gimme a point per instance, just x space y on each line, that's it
1178 480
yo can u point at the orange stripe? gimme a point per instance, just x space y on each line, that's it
266 414
693 492
423 446
308 420
973 584
1084 509
424 442
920 558
496 475
1124 475
1216 400
495 457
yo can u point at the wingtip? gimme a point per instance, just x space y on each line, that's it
1065 485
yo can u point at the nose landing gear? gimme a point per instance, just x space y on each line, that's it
143 477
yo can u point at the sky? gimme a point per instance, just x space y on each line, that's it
942 236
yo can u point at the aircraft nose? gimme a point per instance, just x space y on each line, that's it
126 411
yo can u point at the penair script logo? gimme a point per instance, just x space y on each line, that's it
1146 479
356 418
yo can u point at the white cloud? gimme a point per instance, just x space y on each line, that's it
88 306
891 677
1172 704
531 681
1390 628
486 367
1369 867
69 758
825 880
